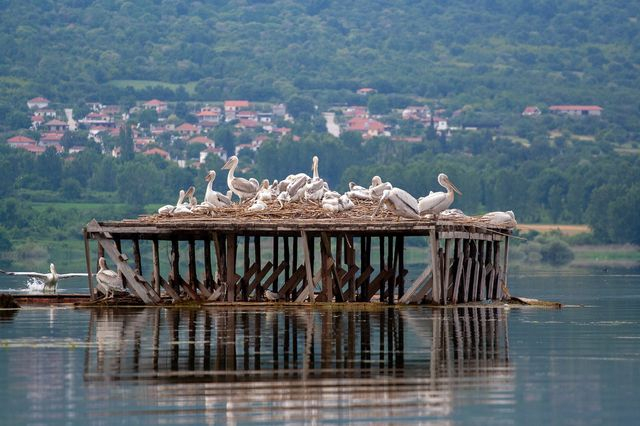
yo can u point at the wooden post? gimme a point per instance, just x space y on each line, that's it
483 270
155 259
308 268
492 269
446 274
275 262
327 284
496 262
350 255
136 255
467 270
459 267
435 262
290 268
244 285
193 275
294 294
87 256
174 275
506 266
257 254
231 267
476 270
391 281
400 250
208 273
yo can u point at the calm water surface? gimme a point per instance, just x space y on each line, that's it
577 365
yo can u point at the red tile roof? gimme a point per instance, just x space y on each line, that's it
575 108
236 104
39 99
155 102
21 140
55 122
161 152
201 139
187 127
360 124
34 148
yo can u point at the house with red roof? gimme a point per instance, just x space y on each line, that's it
20 141
38 102
416 113
531 111
208 116
158 151
356 111
56 125
203 140
576 110
232 107
158 105
34 149
187 129
98 119
139 144
367 126
36 121
45 112
51 139
248 124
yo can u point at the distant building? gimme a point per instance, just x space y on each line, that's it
367 126
576 110
356 111
159 106
56 126
51 139
187 129
203 140
208 116
158 151
279 110
20 141
366 91
231 108
215 151
416 113
38 102
531 111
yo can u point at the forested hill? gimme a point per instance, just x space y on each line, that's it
495 55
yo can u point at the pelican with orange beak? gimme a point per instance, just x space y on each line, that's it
437 202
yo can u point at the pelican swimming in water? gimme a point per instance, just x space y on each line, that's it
506 219
243 188
437 202
399 202
50 279
109 282
168 209
215 198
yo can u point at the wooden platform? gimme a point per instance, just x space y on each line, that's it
469 255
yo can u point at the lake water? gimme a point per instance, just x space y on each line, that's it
576 365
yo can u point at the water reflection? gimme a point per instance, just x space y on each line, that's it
299 365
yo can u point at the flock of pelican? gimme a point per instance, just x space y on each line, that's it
302 187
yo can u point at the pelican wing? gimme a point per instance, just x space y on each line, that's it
432 202
25 274
407 204
243 185
79 274
296 185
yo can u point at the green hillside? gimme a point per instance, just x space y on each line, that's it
494 55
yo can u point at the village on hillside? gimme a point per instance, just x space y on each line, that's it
188 138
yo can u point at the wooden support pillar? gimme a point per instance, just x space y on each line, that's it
244 285
435 263
174 275
446 272
490 270
232 277
308 292
327 284
294 262
193 277
208 273
476 270
391 281
275 262
287 258
365 265
496 262
459 262
155 259
350 259
136 255
467 270
483 270
400 251
87 256
505 281
383 266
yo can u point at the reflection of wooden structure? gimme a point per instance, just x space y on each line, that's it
229 344
322 260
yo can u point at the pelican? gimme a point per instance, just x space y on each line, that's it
452 213
345 202
358 192
109 282
271 296
265 193
378 187
215 198
315 187
185 208
506 219
50 279
242 187
258 205
168 209
399 202
437 202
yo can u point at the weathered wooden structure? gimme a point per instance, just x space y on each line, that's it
323 259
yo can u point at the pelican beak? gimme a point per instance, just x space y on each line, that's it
190 191
227 165
455 189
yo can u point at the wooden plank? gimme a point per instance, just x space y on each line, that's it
326 292
244 283
136 255
155 259
174 273
497 263
400 250
506 269
308 294
424 291
169 290
294 262
259 276
274 275
390 266
435 262
363 279
476 274
348 276
208 272
232 276
376 284
336 283
292 282
275 252
193 275
87 257
191 292
288 269
419 282
383 265
483 271
138 284
459 267
446 275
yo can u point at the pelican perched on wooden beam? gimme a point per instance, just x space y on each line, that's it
505 219
243 188
50 279
399 202
215 198
437 202
109 282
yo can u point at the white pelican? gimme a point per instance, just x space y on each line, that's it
282 198
242 187
358 192
378 187
185 208
271 296
316 187
437 202
168 209
506 219
399 202
265 193
109 282
50 279
258 205
215 198
452 213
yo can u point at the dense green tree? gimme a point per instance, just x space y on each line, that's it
224 137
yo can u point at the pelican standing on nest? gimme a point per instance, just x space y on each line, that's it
215 198
50 279
316 187
109 282
243 188
168 209
399 202
437 202
185 208
378 187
